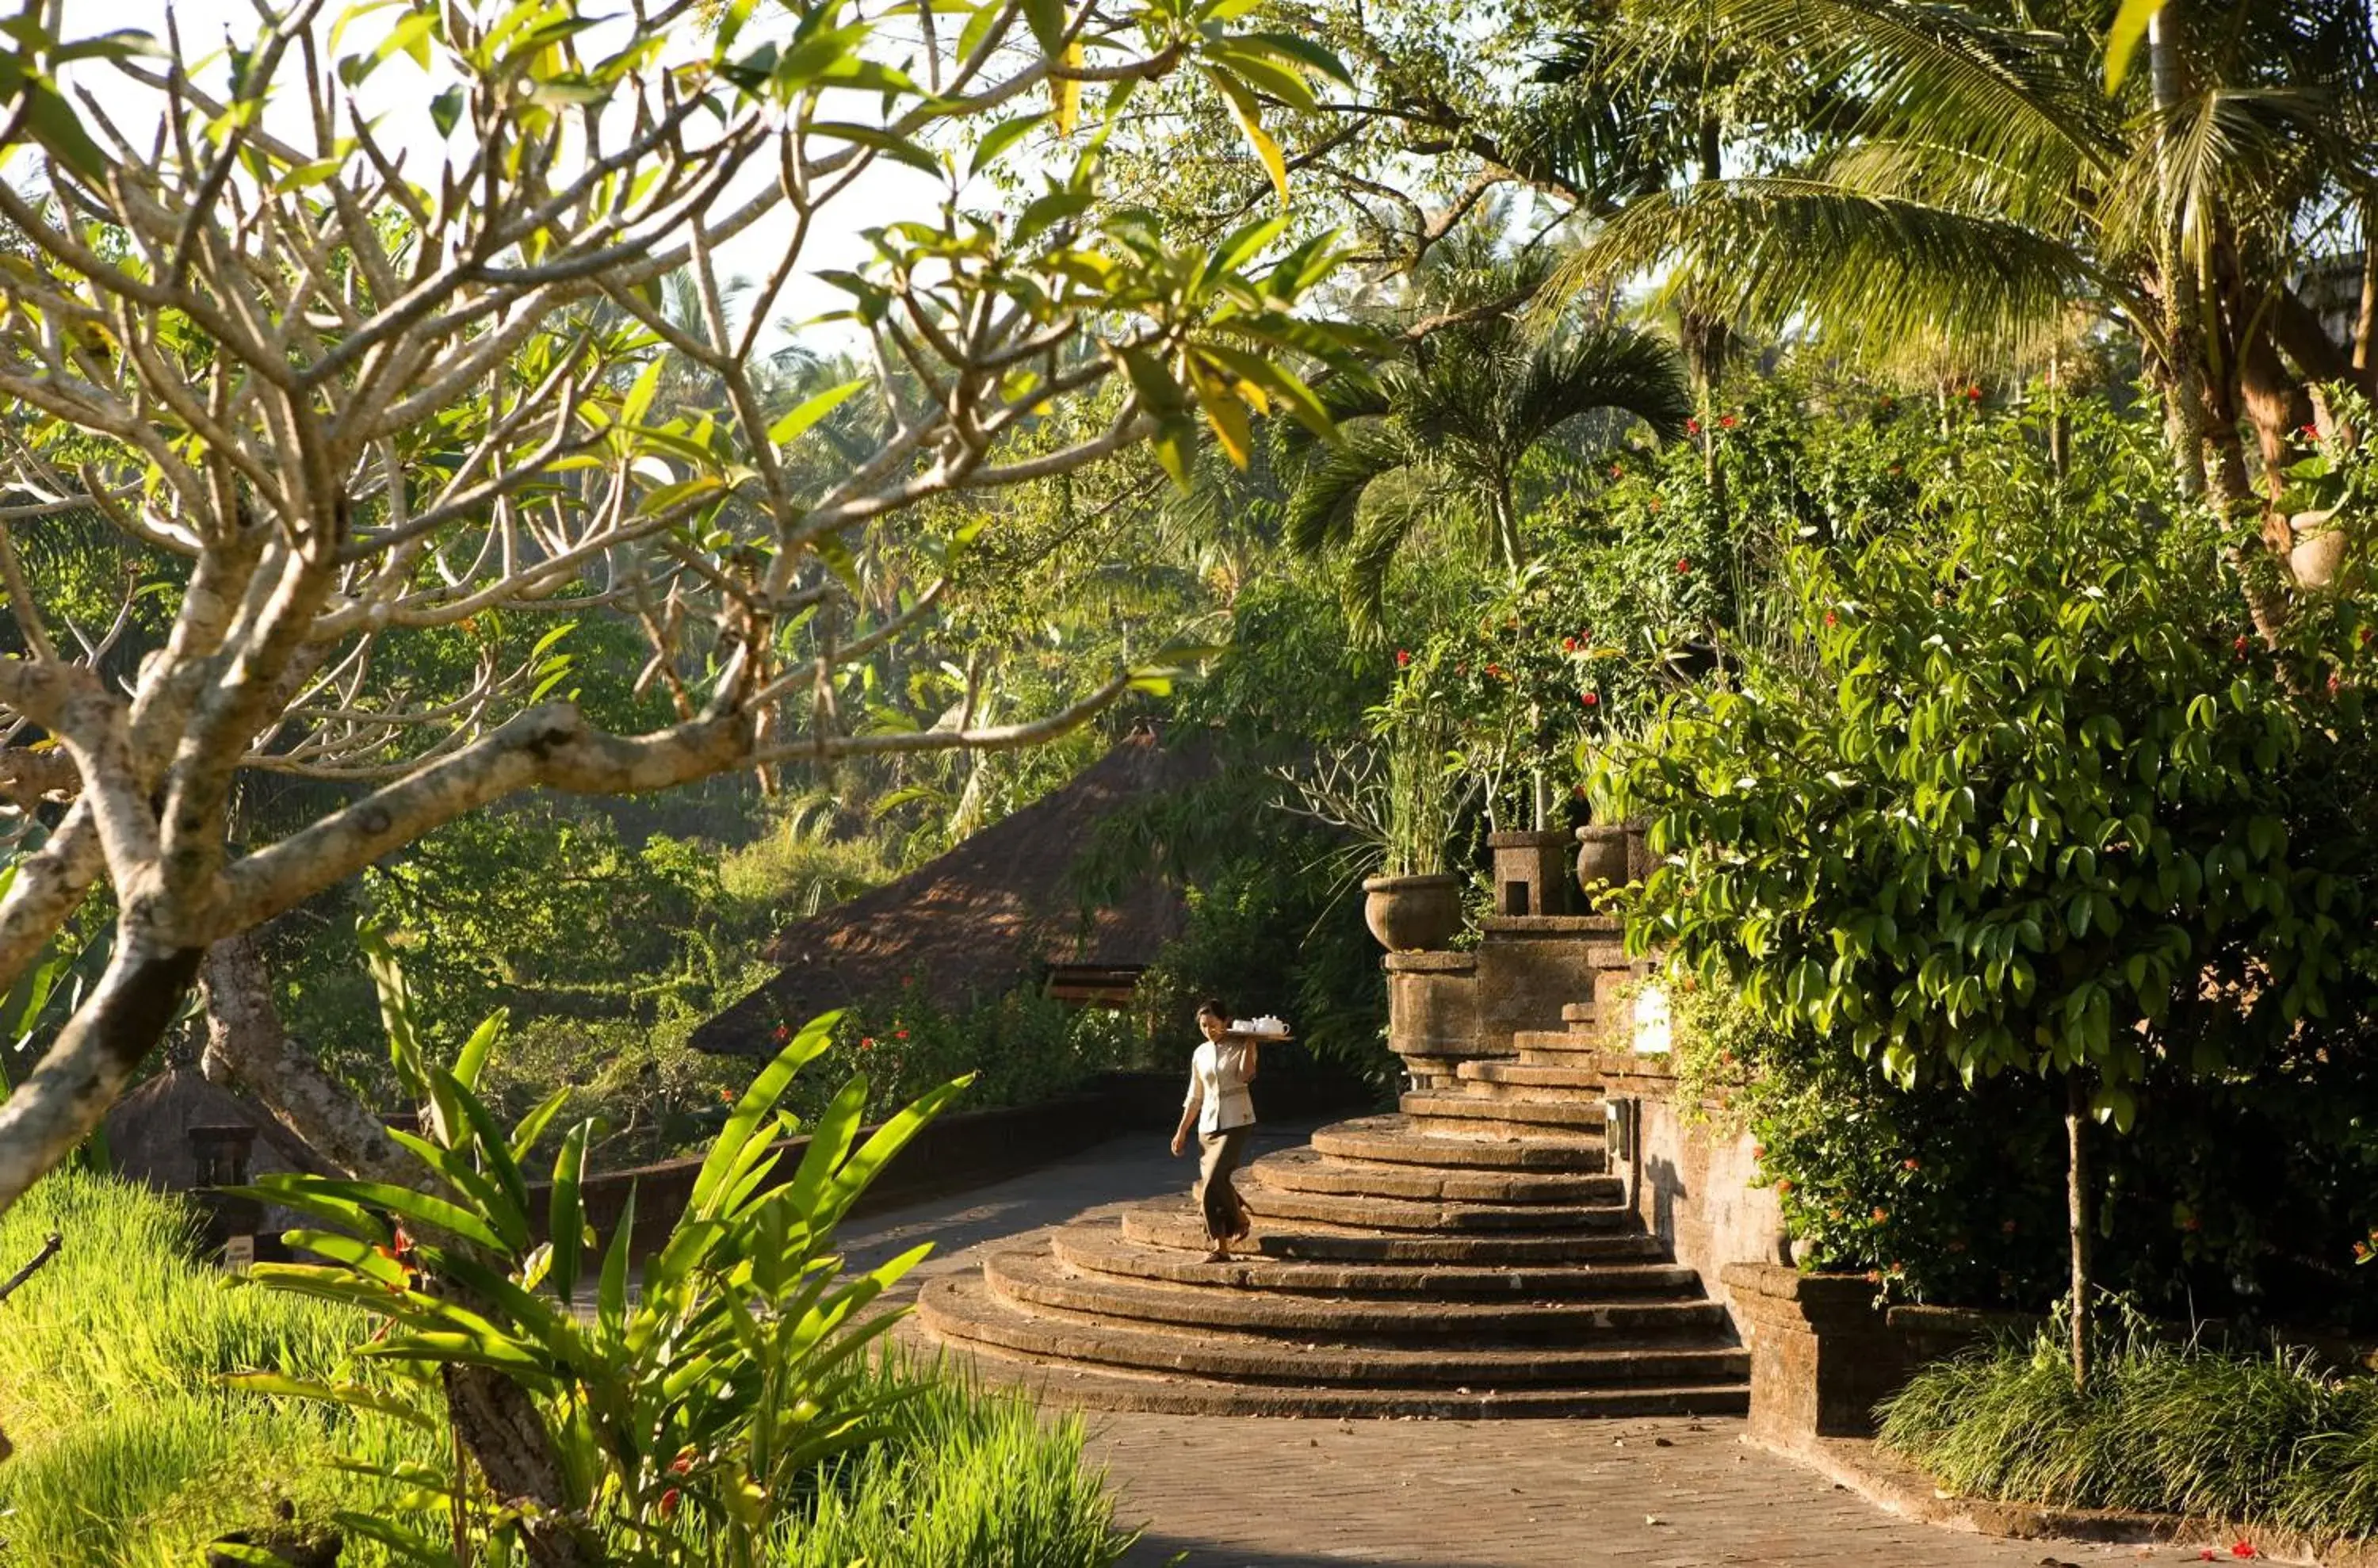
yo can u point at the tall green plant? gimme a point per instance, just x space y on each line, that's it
2043 807
684 1411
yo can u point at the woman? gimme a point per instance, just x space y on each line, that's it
1224 1114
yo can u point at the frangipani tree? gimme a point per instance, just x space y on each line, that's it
333 396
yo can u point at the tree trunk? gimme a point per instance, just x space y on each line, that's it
105 1040
248 1050
496 1418
2076 1122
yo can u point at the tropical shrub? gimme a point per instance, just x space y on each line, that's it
682 1420
133 1452
2026 796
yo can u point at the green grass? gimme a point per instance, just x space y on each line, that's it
2268 1439
129 1449
130 1454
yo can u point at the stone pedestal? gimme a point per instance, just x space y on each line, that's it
1433 1013
1530 873
1822 1352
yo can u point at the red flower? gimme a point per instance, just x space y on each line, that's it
1616 470
2334 682
2310 432
1725 421
1568 644
1972 395
1404 657
727 1097
682 1463
1911 1164
1759 1151
2243 1548
1881 1214
2238 647
1592 699
2205 1554
668 1502
2367 632
1495 671
1831 620
899 1034
1692 427
866 1042
1783 1183
784 1032
1683 566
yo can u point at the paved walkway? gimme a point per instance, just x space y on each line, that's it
1222 1492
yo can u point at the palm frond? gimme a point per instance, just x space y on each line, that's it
1323 506
1857 268
1384 529
1608 367
1945 74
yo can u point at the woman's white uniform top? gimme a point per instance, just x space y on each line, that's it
1218 1087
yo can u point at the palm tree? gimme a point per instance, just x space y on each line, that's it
1440 432
1980 179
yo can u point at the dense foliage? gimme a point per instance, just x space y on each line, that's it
132 1451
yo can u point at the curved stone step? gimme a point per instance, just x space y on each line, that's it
1269 1203
962 1307
1430 1107
1535 1074
1396 1140
1113 1388
1036 1279
1529 1092
1178 1226
1101 1248
1308 1170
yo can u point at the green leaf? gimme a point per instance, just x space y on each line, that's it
810 410
758 1102
2123 38
565 1215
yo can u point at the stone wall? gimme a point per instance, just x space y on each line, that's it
1690 1183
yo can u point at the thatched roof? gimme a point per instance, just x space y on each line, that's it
990 915
148 1131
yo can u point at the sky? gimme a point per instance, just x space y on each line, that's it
398 95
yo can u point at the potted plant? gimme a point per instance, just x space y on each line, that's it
1415 903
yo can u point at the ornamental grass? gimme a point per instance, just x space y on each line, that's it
2270 1439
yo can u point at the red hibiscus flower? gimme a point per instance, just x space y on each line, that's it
1692 427
1568 644
2238 647
1725 421
2310 432
1911 1164
1972 395
1683 566
2243 1549
1404 657
1831 620
899 1034
1592 699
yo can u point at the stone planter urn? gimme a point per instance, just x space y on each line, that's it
2319 552
1602 855
1413 914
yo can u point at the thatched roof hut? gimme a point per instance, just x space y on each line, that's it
999 911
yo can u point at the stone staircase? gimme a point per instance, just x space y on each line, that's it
1474 1255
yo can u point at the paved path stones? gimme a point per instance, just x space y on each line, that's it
1250 1493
